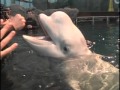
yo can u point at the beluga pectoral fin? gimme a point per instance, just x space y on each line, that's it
66 39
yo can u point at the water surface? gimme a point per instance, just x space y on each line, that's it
36 73
106 38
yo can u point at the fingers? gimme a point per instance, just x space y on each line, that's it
5 29
18 21
7 39
20 17
8 50
1 21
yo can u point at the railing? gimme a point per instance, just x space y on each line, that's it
96 16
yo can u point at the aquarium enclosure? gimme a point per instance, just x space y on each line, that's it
82 5
87 13
29 67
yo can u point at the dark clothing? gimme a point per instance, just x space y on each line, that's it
30 21
33 23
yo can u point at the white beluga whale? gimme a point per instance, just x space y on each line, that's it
81 69
66 38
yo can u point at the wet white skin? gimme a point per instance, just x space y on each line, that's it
67 39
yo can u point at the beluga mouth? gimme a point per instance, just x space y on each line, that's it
67 41
62 38
46 37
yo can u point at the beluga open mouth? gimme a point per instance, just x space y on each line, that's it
62 38
47 37
80 66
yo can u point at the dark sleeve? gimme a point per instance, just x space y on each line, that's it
32 22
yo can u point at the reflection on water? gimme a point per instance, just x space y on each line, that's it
106 38
37 73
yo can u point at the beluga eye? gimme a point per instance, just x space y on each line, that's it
65 49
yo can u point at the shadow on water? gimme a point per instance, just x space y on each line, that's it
106 40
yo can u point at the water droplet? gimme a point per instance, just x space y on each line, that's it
94 42
117 51
24 75
103 38
112 61
49 85
40 86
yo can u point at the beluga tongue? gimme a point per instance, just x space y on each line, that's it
66 38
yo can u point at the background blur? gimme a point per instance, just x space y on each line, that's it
82 5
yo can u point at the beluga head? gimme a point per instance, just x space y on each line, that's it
64 39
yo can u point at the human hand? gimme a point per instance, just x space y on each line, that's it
17 21
2 22
6 40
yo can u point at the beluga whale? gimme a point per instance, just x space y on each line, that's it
81 69
64 39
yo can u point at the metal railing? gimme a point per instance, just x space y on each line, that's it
95 18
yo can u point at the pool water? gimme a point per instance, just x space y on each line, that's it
35 73
106 39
